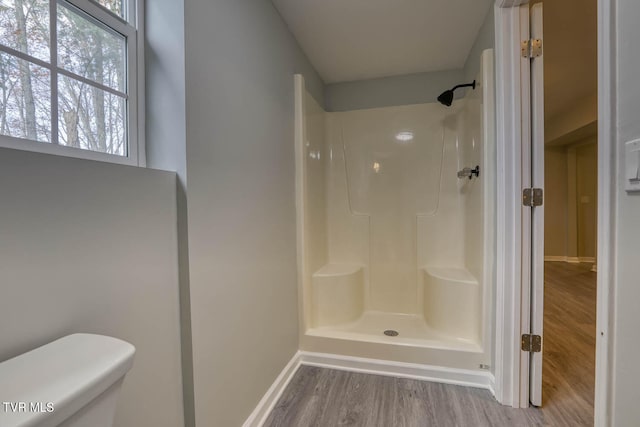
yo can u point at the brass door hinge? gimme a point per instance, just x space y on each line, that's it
532 197
531 343
531 48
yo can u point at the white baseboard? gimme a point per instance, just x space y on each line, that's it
269 400
569 259
552 258
492 385
463 377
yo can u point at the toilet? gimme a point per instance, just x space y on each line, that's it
71 382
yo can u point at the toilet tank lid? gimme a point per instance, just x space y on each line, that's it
65 374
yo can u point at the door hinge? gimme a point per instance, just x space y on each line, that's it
531 343
532 197
531 48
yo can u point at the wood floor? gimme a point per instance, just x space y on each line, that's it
568 369
325 398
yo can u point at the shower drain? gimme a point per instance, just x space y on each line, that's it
391 333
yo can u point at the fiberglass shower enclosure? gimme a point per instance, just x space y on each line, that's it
394 249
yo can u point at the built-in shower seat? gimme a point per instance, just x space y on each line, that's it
450 290
338 294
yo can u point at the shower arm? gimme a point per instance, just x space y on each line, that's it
473 85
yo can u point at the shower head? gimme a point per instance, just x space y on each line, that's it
446 98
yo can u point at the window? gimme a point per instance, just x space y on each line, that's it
68 80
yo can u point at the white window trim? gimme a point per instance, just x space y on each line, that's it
136 153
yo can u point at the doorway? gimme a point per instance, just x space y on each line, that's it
570 211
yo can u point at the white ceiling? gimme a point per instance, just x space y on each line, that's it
350 40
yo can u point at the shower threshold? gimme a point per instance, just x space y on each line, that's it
412 330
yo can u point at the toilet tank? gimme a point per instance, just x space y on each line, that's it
71 382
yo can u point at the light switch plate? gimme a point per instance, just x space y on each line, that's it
632 166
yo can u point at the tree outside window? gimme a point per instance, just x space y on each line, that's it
65 79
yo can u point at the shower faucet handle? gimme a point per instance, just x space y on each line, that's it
469 173
466 172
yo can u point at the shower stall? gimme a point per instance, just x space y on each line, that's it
395 228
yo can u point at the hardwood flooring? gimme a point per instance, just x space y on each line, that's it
568 367
318 397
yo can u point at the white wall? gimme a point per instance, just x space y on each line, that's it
312 199
626 374
240 62
91 247
316 159
474 200
391 184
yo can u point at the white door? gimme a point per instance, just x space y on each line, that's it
537 215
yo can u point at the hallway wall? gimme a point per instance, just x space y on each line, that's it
571 113
571 201
556 198
587 199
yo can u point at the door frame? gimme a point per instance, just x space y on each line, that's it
513 121
512 133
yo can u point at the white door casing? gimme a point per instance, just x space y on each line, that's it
511 78
537 220
526 212
512 136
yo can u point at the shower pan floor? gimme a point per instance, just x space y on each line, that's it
411 328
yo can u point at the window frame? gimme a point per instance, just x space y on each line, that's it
130 27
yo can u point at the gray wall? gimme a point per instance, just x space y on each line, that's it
485 39
417 88
167 144
408 89
91 247
626 411
240 62
165 85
